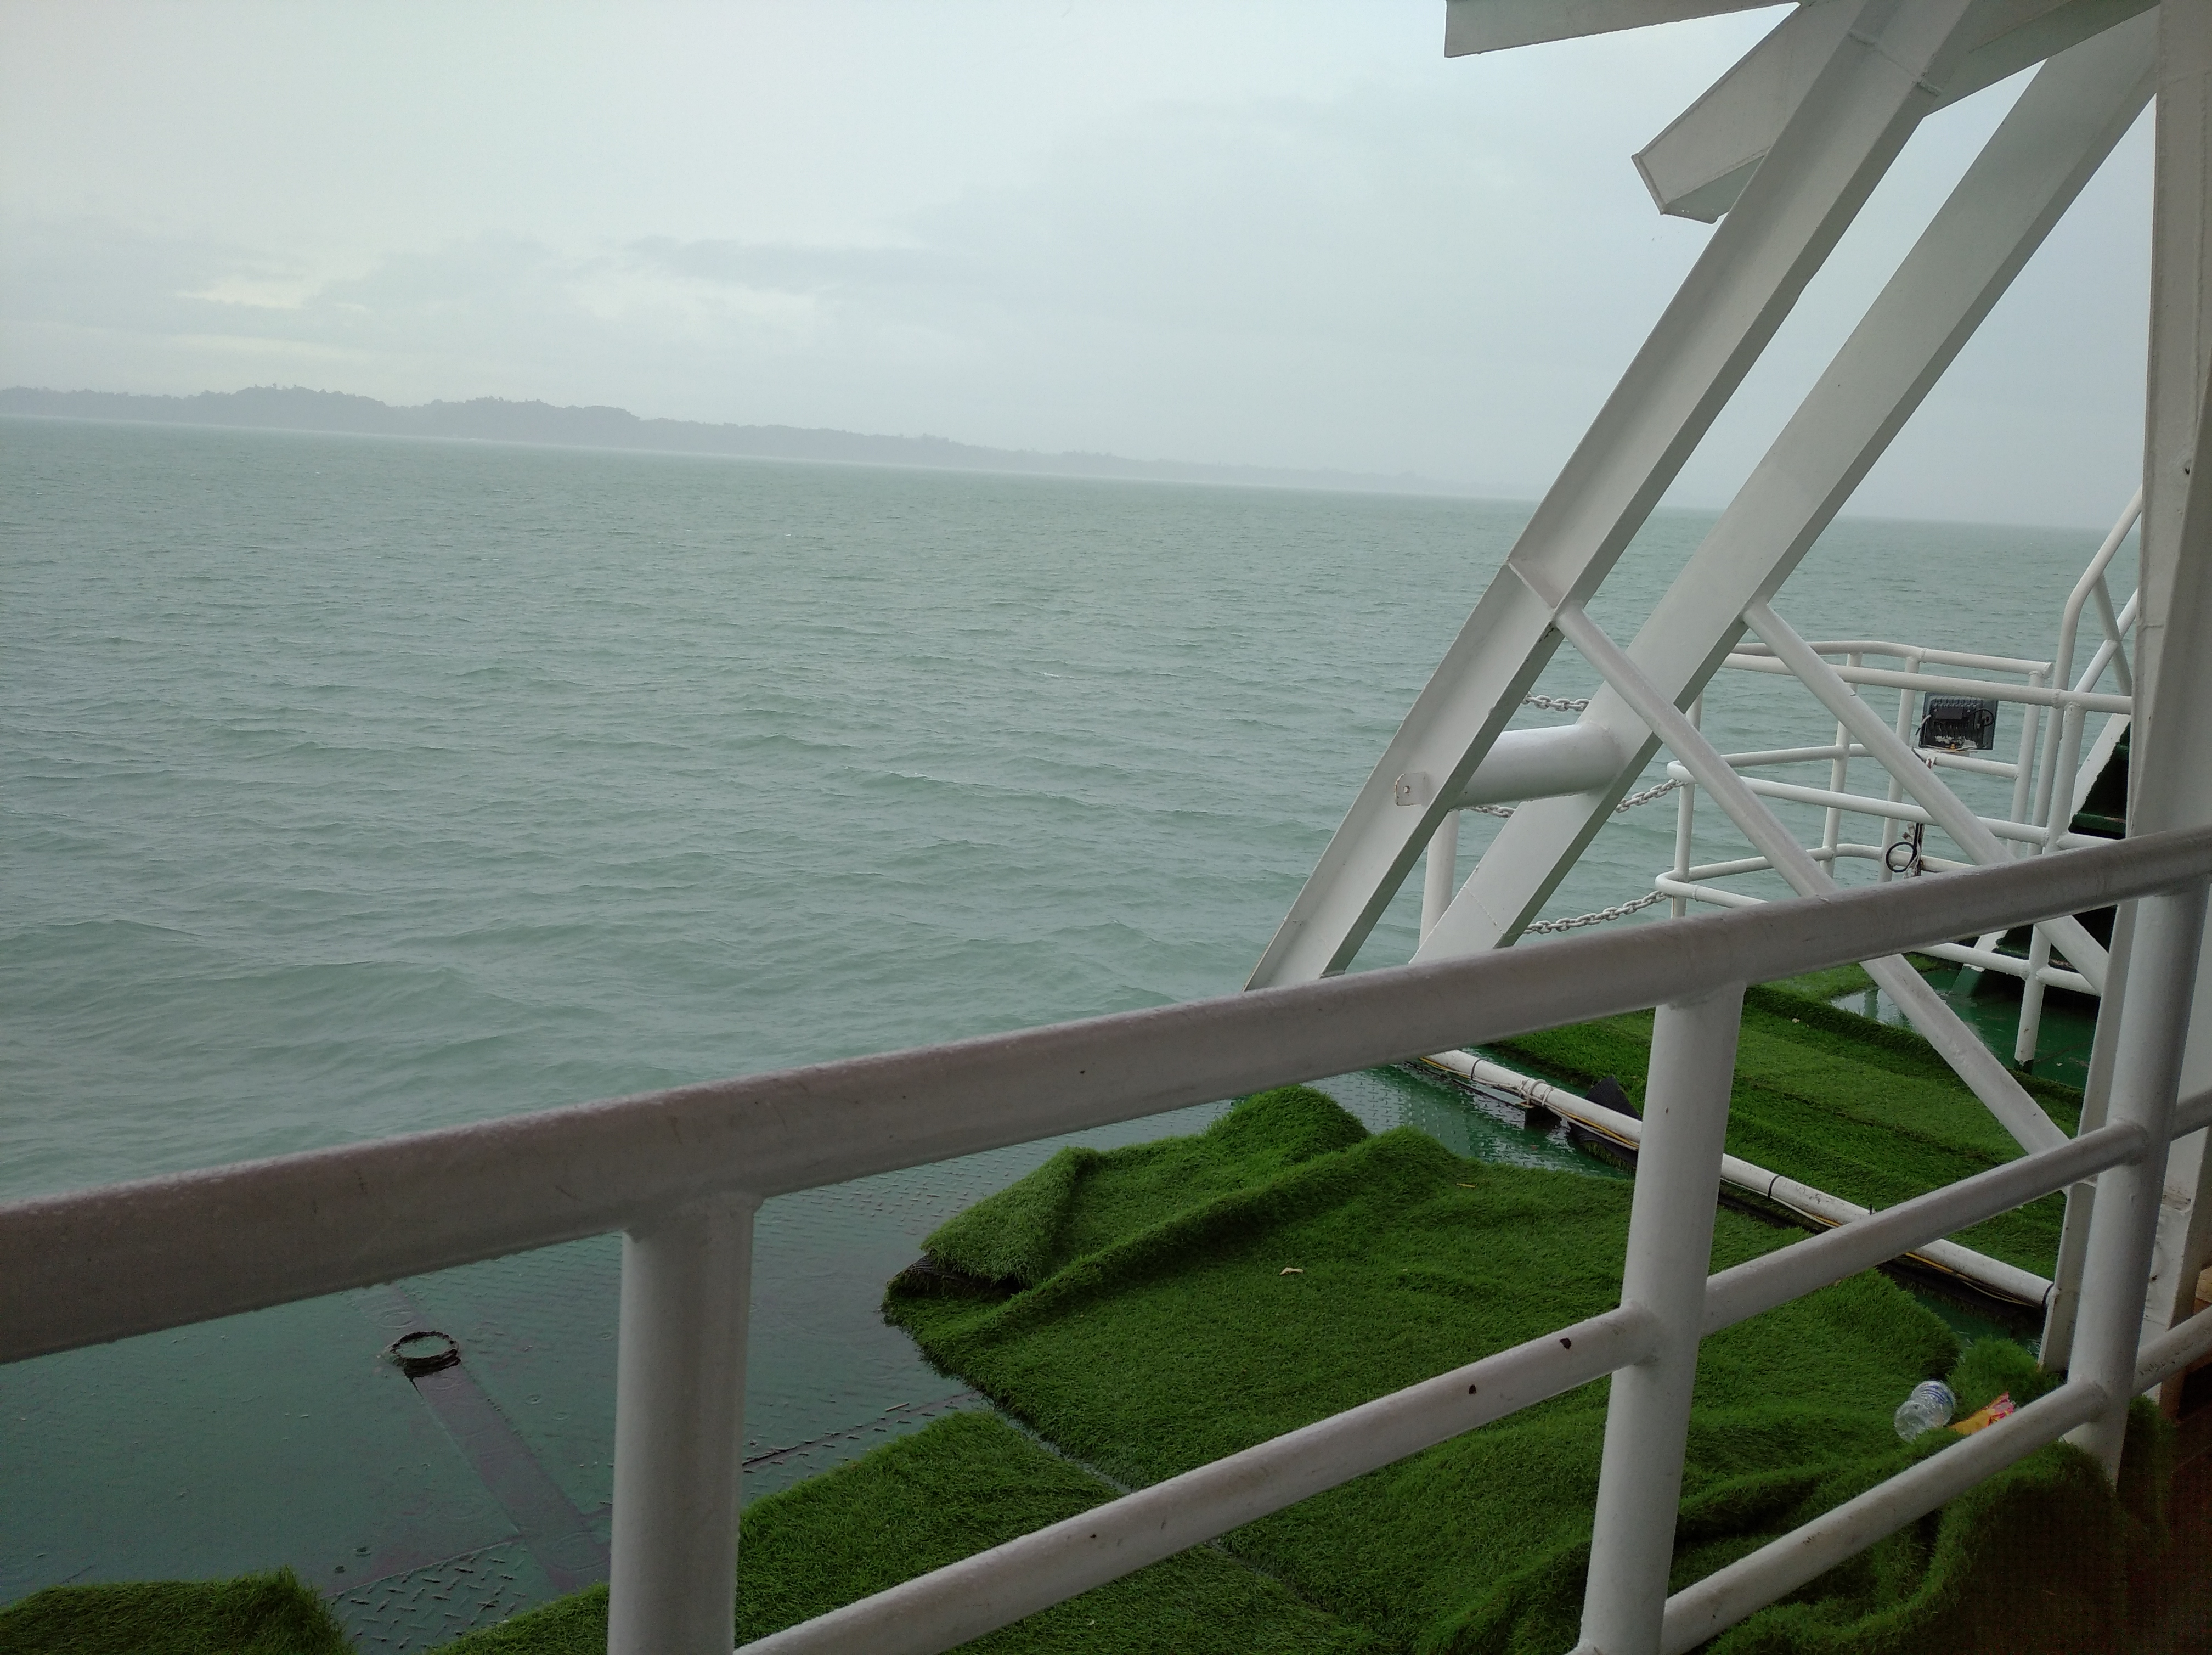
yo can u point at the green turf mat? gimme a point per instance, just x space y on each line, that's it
1209 1314
967 1482
254 1615
1856 1108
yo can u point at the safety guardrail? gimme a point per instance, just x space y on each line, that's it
682 1171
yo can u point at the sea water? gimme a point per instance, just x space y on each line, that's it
351 787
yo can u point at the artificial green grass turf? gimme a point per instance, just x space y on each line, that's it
1855 1107
967 1482
1177 1339
254 1615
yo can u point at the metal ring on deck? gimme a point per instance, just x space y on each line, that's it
425 1351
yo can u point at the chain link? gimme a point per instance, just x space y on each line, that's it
1646 796
1620 809
1555 704
1620 910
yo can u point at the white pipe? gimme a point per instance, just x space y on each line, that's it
1993 1274
2062 660
1896 795
1839 775
2178 1347
1544 763
1670 1247
2029 1029
1917 1226
1686 822
1910 652
1694 889
2023 765
679 1429
1860 804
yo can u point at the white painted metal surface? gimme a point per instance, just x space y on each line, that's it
1670 1248
1699 165
679 1427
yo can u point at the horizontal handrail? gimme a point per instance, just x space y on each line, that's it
1989 689
1916 652
1860 804
998 1587
105 1263
1776 1278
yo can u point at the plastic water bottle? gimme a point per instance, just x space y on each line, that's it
1929 1406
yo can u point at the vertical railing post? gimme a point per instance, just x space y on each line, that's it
1670 1249
1686 821
679 1429
2064 1302
2169 930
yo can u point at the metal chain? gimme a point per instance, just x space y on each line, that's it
1622 808
1647 795
1620 910
1555 704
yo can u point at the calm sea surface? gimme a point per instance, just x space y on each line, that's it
352 786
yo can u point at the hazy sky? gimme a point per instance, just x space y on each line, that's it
1257 231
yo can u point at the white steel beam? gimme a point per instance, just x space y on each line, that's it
1544 763
2046 149
2170 771
1499 25
1881 79
1699 165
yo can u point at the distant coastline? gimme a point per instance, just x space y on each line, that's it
492 419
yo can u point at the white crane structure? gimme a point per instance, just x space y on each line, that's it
1783 151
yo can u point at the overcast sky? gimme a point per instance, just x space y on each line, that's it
1253 231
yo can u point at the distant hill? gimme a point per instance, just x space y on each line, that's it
490 419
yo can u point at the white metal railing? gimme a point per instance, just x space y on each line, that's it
681 1173
2049 775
